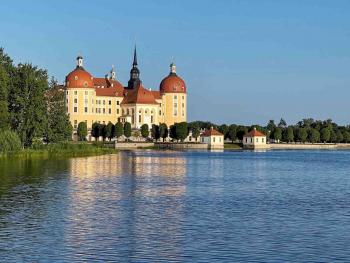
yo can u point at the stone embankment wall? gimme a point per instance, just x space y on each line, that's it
181 146
308 146
133 145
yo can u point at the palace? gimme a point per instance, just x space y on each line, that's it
104 100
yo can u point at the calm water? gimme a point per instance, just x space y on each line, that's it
149 206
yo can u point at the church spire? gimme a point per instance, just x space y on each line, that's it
134 80
135 57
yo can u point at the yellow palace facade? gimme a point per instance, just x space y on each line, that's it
102 100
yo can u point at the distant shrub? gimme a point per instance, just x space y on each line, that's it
9 142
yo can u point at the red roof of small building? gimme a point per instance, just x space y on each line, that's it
254 133
211 132
139 95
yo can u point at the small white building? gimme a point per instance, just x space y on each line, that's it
213 138
254 140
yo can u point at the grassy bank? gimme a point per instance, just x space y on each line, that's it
233 146
61 150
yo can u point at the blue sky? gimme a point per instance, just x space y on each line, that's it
244 61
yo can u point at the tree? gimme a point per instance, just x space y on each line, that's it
110 130
163 131
325 135
82 131
314 136
155 132
95 130
270 128
181 130
28 110
277 134
172 132
195 131
346 136
333 136
241 131
223 129
340 136
59 127
289 134
4 114
103 131
232 132
119 130
144 131
282 124
302 134
127 130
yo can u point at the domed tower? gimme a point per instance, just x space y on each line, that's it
80 94
134 80
174 97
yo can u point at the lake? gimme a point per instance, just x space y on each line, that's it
168 206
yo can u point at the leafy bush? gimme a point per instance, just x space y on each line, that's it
9 142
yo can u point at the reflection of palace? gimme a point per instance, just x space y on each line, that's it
123 188
104 100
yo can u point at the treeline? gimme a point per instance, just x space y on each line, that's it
178 131
306 130
31 107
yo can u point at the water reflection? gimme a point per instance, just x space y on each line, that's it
142 194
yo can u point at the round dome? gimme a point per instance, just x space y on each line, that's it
172 84
79 78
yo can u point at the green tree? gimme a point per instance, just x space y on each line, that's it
163 131
302 135
195 131
155 132
241 131
181 130
119 130
340 136
144 131
224 130
110 130
282 124
96 130
9 141
103 131
277 134
27 103
346 136
232 132
314 136
172 132
59 127
333 136
325 135
4 111
82 131
289 134
127 130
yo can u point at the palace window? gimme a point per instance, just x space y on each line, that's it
110 111
75 100
139 118
85 109
86 92
104 111
117 102
117 111
109 102
75 92
104 102
75 109
75 123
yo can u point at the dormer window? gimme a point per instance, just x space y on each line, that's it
76 77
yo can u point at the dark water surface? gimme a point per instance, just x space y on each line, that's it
149 206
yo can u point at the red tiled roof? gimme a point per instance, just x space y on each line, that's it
254 133
211 132
79 78
106 87
139 95
156 94
172 84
